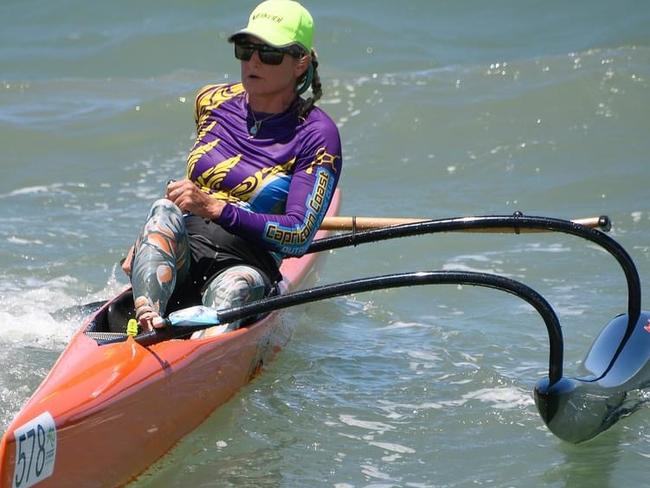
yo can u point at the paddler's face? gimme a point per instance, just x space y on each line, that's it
263 79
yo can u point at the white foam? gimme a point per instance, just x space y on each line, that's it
32 327
550 248
571 310
424 355
365 424
412 408
28 315
373 472
398 324
389 446
30 190
505 398
21 241
459 266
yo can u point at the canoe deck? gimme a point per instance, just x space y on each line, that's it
105 413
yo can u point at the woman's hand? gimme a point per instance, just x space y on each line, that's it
190 199
127 263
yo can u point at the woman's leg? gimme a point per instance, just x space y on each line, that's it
233 287
161 259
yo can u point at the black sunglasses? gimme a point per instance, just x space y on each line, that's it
267 54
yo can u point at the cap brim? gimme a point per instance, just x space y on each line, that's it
266 39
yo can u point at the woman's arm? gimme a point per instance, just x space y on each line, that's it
310 193
313 181
290 233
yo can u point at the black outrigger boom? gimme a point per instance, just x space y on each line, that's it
574 409
618 362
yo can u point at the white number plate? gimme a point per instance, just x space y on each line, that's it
35 451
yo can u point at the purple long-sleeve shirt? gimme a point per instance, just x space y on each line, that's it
277 184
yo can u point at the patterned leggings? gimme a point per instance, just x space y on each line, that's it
162 260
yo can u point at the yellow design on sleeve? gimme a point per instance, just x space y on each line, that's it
211 97
322 158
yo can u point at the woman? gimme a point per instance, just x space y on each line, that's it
260 177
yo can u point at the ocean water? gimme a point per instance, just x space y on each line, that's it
446 108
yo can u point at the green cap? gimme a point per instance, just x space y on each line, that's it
280 23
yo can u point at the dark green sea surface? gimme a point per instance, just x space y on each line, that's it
446 108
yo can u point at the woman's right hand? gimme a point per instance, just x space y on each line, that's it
191 199
128 262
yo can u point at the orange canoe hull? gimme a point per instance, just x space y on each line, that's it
117 408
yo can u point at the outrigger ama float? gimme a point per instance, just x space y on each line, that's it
99 392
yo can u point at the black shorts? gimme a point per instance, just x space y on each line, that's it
213 249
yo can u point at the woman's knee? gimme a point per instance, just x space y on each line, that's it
165 216
235 286
232 288
162 206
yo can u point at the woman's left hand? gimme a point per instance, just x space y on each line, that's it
190 199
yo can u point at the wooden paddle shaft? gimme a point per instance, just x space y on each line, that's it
367 223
